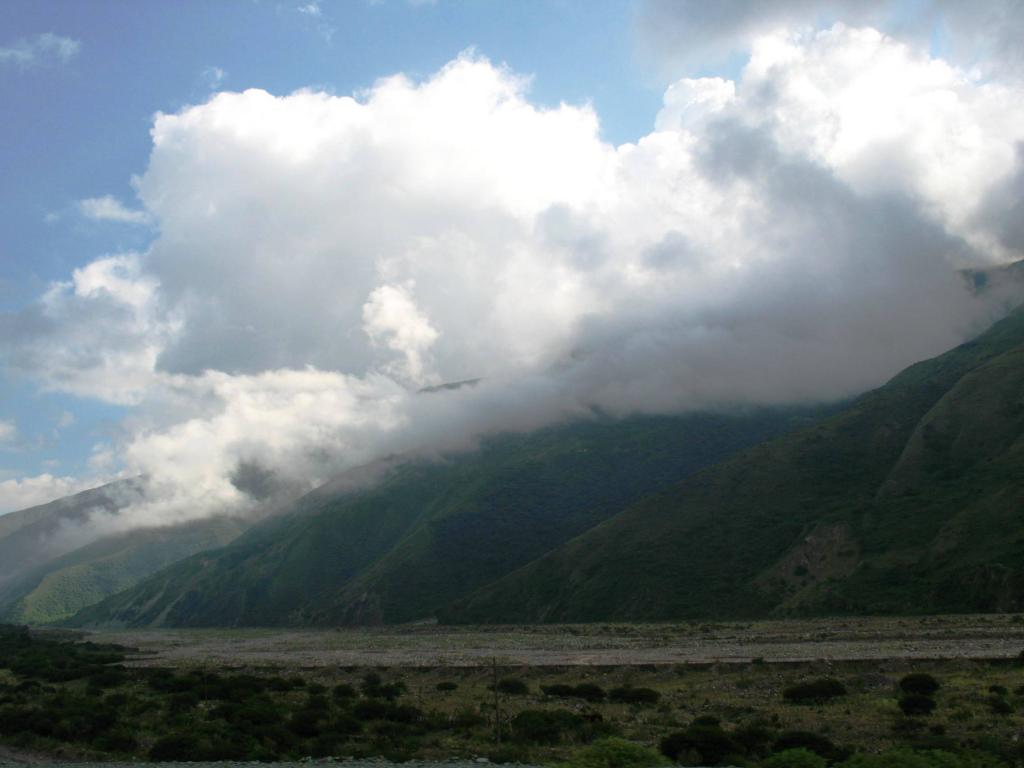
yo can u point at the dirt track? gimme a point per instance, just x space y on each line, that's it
950 637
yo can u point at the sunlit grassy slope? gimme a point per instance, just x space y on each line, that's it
58 588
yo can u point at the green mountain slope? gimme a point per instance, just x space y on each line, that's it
51 530
61 587
911 500
432 533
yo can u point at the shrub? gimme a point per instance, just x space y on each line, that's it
708 744
920 683
446 686
814 692
913 704
371 709
178 746
629 695
795 758
816 743
513 687
344 692
373 688
110 677
998 690
182 702
589 692
615 753
306 722
544 726
1000 706
754 739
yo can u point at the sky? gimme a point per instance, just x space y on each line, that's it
239 235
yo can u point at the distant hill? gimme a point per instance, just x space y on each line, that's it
430 534
52 563
909 501
50 530
58 588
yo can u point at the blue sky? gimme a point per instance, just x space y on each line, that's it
79 128
269 277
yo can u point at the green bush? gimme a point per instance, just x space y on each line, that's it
815 742
1000 706
513 687
920 683
446 686
374 688
344 692
589 692
814 692
705 743
615 753
795 758
914 704
630 695
544 726
176 747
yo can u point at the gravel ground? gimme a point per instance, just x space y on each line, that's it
946 637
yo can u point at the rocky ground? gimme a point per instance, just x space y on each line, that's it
847 639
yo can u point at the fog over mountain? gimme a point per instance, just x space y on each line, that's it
796 234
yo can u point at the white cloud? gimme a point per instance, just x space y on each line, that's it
8 432
790 236
310 9
109 208
30 491
41 49
97 335
392 319
213 77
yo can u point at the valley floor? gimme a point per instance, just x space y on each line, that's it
703 694
841 639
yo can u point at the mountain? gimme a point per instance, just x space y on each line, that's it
911 500
431 533
51 530
58 588
53 563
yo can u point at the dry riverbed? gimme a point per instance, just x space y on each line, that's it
847 639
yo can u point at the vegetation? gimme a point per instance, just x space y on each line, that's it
76 700
432 533
815 692
905 502
57 588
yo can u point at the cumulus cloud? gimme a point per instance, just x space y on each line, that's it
109 208
8 432
392 319
688 34
30 491
96 335
45 48
791 235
